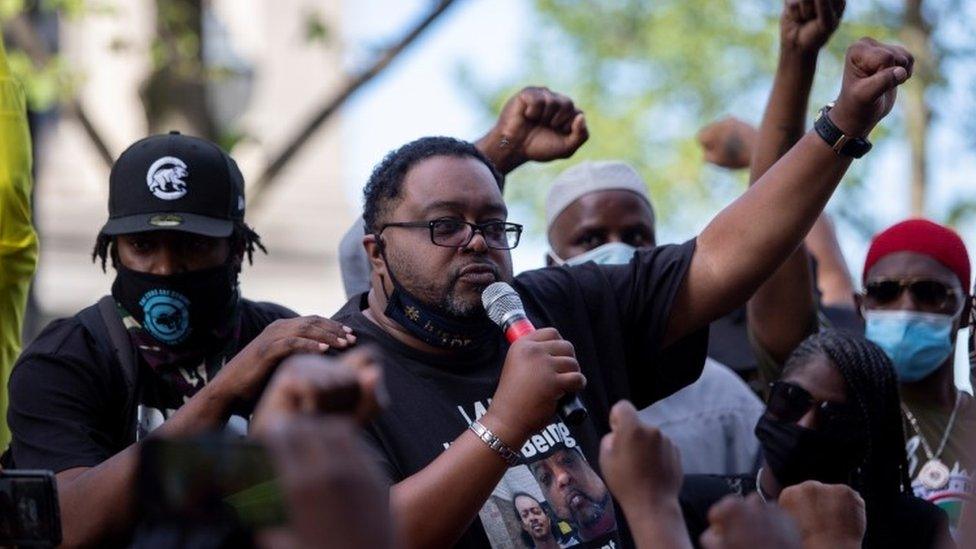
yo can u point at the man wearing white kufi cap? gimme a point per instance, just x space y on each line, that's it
600 211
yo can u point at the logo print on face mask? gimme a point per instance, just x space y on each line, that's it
166 315
165 178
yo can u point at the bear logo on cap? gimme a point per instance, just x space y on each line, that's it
165 178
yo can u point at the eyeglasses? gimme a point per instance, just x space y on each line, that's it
789 402
454 233
927 293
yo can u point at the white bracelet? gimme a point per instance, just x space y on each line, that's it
510 456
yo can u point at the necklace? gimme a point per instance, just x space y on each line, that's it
934 475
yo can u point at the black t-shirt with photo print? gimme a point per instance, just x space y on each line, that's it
615 316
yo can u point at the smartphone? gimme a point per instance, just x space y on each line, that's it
29 512
209 480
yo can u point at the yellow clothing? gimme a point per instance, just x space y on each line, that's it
18 241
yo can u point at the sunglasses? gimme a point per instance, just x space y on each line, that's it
789 402
927 293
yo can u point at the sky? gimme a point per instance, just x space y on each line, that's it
422 94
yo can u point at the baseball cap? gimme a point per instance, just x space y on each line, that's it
174 182
590 177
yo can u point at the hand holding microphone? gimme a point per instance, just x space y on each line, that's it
540 370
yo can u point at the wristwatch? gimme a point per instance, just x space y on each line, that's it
855 147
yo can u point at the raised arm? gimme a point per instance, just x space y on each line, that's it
782 312
749 239
643 470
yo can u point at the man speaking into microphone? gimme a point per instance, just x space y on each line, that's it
472 419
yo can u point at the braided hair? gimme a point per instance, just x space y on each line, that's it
242 237
872 385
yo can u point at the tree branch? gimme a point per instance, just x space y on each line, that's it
23 34
274 168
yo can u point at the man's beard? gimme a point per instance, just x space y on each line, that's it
591 513
450 299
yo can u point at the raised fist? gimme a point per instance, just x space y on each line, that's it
535 124
829 515
728 143
872 73
736 523
349 385
806 25
639 463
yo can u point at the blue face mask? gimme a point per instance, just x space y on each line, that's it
917 343
611 253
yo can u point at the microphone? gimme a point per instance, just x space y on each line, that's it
504 308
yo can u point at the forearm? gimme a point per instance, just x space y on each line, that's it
501 154
660 526
751 237
98 503
784 119
833 276
779 329
468 471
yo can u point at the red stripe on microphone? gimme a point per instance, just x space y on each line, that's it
518 329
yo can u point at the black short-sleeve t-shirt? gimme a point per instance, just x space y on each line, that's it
615 316
68 394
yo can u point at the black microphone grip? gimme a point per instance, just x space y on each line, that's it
571 409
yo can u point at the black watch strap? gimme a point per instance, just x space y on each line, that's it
855 147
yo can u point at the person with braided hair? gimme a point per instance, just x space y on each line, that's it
834 417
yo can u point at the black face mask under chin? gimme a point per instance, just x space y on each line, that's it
796 454
434 327
178 310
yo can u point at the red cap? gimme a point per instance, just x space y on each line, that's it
923 237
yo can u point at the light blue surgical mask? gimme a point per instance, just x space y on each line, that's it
917 343
611 253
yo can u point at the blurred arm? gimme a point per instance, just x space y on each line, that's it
18 241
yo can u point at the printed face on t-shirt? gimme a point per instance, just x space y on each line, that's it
576 492
535 521
445 187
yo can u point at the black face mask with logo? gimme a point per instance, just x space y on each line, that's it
796 454
180 310
432 326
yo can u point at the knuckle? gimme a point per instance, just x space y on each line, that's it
277 324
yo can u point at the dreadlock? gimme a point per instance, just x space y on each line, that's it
242 237
873 386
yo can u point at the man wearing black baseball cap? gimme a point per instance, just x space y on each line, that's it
174 347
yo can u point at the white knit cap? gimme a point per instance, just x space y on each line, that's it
590 177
